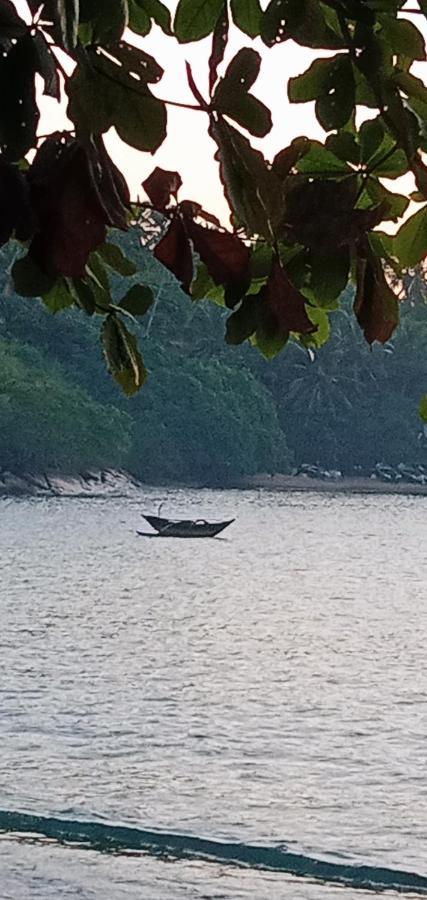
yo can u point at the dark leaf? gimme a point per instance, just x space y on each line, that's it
247 16
287 158
109 184
45 65
371 137
195 19
419 169
71 220
283 306
29 279
16 215
336 102
320 214
307 22
344 146
108 19
219 43
137 300
240 168
174 251
161 186
84 293
123 357
193 210
375 305
11 25
225 256
232 99
277 18
19 111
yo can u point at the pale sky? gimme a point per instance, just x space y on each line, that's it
188 148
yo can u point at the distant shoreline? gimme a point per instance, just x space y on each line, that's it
344 485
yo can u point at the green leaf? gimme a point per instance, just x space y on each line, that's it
242 323
137 300
87 294
410 242
403 37
344 146
231 95
123 357
195 19
269 345
330 82
108 20
320 160
371 136
247 111
202 283
423 408
311 83
240 168
139 20
329 275
307 22
59 297
114 257
319 337
247 16
382 245
335 105
261 259
158 12
103 94
397 203
29 279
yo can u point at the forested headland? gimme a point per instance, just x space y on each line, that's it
208 413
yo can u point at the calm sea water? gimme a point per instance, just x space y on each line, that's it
267 688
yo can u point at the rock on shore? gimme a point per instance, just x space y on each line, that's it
86 484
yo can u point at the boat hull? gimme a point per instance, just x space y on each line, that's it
185 528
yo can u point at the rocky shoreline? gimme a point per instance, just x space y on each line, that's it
117 483
108 483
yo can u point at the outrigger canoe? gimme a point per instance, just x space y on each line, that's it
183 528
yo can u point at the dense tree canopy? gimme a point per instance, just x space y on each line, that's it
302 224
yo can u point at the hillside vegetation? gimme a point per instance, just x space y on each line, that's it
207 413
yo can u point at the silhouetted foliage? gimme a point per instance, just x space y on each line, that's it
311 215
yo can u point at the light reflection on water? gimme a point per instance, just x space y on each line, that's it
268 686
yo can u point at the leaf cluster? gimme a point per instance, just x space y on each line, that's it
302 224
